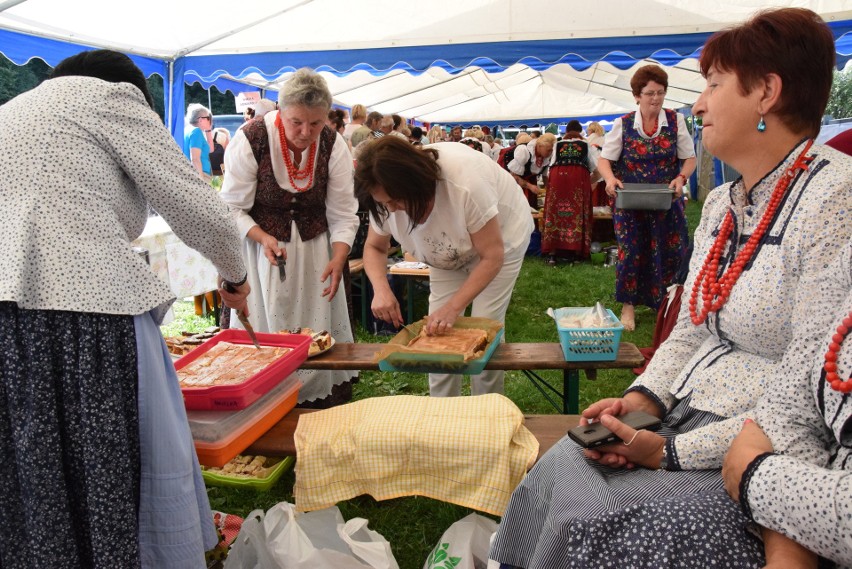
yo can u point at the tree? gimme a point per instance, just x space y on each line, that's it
840 100
15 79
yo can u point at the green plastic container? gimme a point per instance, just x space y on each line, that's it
262 484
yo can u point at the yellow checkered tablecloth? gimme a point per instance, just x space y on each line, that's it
470 451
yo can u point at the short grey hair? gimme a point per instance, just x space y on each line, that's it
195 111
305 88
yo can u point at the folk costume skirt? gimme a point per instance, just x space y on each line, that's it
99 470
567 498
567 212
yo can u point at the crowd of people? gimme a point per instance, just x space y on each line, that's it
750 466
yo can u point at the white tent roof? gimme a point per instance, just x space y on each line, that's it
476 61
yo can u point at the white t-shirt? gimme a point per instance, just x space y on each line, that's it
473 189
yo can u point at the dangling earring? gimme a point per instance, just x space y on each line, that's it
761 125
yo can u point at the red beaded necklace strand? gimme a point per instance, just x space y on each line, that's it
830 365
292 173
715 292
654 129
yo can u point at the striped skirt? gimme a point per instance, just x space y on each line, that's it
573 512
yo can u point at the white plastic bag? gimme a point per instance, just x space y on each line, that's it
464 545
283 538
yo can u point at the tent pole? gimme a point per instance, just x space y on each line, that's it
167 94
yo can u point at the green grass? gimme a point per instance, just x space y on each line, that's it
186 320
413 525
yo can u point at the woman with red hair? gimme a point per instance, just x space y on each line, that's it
653 146
765 246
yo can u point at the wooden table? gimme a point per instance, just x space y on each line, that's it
522 357
279 441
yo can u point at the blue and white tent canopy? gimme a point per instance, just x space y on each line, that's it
444 61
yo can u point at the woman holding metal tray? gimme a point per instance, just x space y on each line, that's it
459 212
651 146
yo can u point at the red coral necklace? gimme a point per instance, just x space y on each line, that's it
294 174
654 129
830 365
715 291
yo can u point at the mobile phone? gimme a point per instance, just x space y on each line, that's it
595 434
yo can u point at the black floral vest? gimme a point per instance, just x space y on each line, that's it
274 207
572 153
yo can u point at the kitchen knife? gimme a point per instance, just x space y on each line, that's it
243 318
247 325
282 271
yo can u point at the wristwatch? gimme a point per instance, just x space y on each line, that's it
664 461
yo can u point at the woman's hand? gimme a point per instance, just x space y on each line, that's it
441 321
611 185
386 307
334 268
677 185
237 298
615 406
533 188
271 249
750 443
637 447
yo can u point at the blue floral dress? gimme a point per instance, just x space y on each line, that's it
651 244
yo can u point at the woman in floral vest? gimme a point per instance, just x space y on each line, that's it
288 182
649 146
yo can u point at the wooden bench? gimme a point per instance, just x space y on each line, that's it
524 357
278 441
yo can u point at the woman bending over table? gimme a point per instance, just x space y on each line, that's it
288 181
530 160
763 244
456 210
652 146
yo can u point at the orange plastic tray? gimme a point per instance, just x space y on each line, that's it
221 435
239 396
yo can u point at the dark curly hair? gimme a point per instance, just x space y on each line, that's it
107 65
404 171
336 118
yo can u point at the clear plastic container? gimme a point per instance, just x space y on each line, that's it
221 435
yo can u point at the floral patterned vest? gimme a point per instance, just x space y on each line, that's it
274 207
572 153
648 161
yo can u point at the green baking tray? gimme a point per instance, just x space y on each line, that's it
439 363
262 484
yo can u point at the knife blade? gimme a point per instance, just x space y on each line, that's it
247 325
243 318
